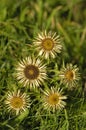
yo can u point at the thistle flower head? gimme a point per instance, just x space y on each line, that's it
31 72
48 44
53 99
17 102
70 75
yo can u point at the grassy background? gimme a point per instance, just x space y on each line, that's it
20 20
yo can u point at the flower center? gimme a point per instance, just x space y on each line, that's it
69 75
16 102
31 72
48 44
53 99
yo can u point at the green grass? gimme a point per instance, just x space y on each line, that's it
20 21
